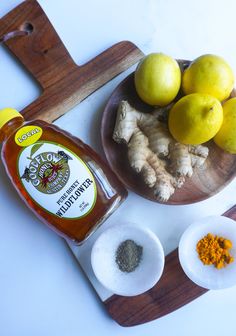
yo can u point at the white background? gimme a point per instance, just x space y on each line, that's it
42 290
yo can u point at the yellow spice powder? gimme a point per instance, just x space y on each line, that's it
214 250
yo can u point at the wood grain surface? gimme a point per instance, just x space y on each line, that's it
173 291
218 170
64 83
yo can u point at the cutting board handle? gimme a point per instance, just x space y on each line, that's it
42 51
64 83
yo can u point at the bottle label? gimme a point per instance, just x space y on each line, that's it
57 179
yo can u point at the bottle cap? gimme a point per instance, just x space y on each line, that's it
8 114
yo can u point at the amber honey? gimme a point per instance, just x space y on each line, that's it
62 180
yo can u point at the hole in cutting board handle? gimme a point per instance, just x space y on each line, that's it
27 27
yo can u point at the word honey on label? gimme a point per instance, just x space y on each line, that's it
60 178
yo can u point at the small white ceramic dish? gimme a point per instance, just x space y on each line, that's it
208 276
144 277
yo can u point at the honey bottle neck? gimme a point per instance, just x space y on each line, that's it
7 129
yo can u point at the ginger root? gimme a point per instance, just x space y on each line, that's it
144 161
152 151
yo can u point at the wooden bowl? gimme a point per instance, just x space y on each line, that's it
218 170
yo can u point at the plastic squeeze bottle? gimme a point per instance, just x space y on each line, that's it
62 180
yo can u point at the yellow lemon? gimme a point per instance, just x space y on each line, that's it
209 74
226 137
157 79
195 118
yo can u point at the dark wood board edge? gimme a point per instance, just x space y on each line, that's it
173 291
83 81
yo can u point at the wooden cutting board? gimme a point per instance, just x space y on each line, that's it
65 84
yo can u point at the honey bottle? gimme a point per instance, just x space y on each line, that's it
61 179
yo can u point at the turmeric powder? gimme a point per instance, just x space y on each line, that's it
214 250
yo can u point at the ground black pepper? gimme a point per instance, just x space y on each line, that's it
128 255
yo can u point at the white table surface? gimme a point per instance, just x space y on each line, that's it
42 290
